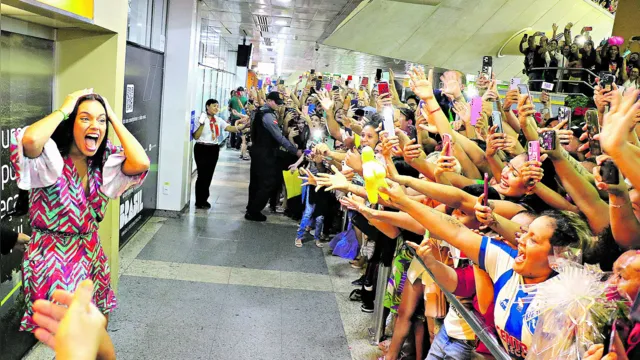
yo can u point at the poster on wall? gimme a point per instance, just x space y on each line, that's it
26 93
144 70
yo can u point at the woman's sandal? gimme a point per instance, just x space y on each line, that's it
319 244
299 243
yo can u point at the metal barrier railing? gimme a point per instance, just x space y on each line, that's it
560 81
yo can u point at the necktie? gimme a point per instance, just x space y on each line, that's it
214 127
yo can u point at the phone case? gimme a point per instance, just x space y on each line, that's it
305 110
593 127
524 90
534 151
383 88
548 140
312 108
564 113
476 109
496 117
486 189
609 172
260 84
514 83
446 139
318 85
487 64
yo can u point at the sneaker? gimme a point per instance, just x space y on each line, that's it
255 217
366 308
358 282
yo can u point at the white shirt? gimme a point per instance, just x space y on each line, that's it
208 136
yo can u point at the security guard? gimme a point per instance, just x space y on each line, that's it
266 138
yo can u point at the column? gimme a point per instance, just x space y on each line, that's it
181 62
626 23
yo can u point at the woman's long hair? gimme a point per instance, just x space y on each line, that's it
63 135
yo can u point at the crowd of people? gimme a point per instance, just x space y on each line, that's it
609 5
488 205
476 211
577 62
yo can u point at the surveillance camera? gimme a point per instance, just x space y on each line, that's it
317 47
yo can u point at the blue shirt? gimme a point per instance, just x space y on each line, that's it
515 318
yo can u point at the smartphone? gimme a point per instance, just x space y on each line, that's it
609 172
587 28
606 80
305 110
354 102
383 88
534 151
446 139
260 84
328 87
486 189
385 76
281 82
311 108
547 86
378 75
524 90
564 113
513 84
476 109
487 66
313 71
335 87
497 120
318 84
593 127
387 123
548 140
365 81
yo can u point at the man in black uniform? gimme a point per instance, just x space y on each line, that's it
266 138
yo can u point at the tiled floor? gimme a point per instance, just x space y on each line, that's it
211 285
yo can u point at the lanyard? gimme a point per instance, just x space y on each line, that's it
214 126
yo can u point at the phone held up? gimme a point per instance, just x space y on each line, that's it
486 190
548 140
446 139
487 66
593 128
524 90
496 118
564 113
383 88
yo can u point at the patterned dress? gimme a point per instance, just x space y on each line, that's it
64 248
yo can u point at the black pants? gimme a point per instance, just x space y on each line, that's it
235 140
206 157
262 178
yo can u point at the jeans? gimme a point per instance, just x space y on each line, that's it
446 348
307 217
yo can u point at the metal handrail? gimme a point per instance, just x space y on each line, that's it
565 68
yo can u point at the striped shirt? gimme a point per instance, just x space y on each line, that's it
515 322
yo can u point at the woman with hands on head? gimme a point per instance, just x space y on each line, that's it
71 170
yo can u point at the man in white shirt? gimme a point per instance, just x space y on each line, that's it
208 136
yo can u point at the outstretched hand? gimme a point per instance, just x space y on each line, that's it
73 327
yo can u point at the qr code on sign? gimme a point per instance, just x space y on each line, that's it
129 104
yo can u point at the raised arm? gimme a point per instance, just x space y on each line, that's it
37 135
137 161
440 225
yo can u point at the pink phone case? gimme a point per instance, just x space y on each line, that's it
328 86
305 110
476 109
534 151
446 139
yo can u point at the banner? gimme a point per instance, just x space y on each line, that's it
144 71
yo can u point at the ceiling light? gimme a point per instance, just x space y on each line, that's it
281 22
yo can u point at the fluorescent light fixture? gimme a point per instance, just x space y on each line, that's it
266 68
281 22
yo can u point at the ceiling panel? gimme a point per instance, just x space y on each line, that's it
457 33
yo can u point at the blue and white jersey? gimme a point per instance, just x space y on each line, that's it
515 317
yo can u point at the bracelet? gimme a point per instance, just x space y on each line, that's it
431 112
619 206
64 116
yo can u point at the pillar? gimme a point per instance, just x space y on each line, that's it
179 93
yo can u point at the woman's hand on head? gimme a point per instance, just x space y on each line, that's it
71 100
110 113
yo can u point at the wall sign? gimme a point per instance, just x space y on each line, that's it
144 71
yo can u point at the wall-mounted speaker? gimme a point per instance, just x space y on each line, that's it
244 55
